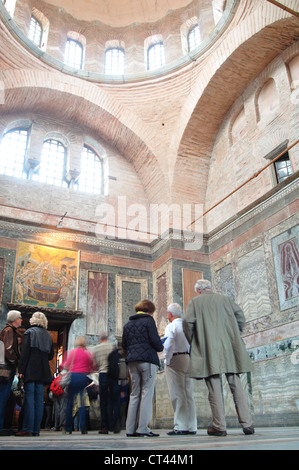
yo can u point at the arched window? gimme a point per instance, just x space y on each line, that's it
114 61
91 176
193 38
155 56
35 31
13 149
52 164
73 55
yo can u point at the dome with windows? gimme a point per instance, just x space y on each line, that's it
127 40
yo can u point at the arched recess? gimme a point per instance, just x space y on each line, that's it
259 39
86 105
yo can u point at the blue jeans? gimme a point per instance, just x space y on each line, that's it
33 406
4 395
77 385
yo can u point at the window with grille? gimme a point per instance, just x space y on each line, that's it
283 168
114 61
52 164
13 149
193 38
35 31
73 55
155 56
91 175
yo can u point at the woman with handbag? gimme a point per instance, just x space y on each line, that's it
79 364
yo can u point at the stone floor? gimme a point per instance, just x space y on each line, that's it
115 447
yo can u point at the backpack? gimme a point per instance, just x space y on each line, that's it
117 367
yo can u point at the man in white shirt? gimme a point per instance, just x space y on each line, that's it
180 385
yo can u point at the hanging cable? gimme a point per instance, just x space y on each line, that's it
283 7
245 182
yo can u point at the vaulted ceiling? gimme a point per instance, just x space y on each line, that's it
119 12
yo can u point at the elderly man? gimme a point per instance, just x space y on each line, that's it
11 339
180 386
212 326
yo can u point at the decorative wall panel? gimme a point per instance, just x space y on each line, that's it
286 258
97 303
129 291
163 295
254 292
224 281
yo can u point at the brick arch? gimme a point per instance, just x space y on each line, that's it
86 105
238 60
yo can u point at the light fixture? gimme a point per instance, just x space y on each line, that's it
60 223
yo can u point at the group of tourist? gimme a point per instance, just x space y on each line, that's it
202 344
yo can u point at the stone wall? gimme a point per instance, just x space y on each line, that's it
253 260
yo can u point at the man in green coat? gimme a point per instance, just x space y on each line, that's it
212 325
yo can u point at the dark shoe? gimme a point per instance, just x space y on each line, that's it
146 434
193 433
7 432
176 432
249 430
103 431
84 432
216 432
24 433
133 435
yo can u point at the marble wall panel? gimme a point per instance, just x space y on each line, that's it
97 303
129 291
275 385
131 295
223 281
163 294
286 259
254 291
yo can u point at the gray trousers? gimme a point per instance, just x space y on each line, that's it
142 376
216 401
180 387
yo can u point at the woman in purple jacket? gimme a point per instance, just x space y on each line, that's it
141 343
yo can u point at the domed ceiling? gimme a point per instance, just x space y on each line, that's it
118 13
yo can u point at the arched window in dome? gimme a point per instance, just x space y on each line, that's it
155 56
73 55
91 175
193 37
114 61
52 164
13 148
35 31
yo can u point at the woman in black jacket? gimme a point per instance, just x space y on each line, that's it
37 351
141 343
